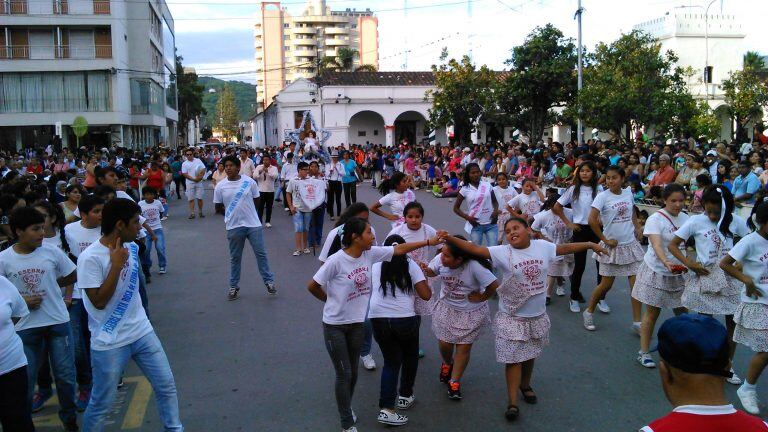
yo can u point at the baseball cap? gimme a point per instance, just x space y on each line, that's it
696 344
467 150
712 153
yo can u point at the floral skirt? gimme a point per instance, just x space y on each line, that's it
563 267
752 326
656 289
519 339
624 254
459 327
714 294
426 307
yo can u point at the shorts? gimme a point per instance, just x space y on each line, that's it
301 221
194 191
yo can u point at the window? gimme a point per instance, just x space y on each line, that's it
154 24
169 79
360 133
375 132
169 44
55 92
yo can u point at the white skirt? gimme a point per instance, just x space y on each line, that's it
715 294
752 326
656 289
520 339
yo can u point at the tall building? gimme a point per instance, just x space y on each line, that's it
109 61
290 47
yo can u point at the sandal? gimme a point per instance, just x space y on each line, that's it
512 413
528 395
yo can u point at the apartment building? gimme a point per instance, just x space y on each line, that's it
109 61
289 47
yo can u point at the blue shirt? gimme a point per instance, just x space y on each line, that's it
349 168
746 185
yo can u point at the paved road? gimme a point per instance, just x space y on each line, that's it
259 363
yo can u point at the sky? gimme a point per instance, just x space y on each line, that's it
216 36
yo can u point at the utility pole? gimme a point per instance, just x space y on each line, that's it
469 34
579 126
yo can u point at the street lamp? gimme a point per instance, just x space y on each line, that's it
707 72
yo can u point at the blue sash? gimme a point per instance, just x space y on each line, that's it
236 200
127 287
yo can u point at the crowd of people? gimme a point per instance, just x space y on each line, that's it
78 230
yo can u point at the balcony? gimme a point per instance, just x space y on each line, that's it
54 52
304 52
336 42
336 30
55 7
304 30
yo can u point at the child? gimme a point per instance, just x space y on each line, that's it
457 322
152 211
527 203
318 213
504 194
552 229
637 191
396 195
301 190
702 181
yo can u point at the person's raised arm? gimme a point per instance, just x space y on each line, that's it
118 256
674 249
469 247
539 192
404 248
572 248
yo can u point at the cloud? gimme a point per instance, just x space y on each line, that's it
220 46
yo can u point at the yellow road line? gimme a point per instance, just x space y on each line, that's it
137 408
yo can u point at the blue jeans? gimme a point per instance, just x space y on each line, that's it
490 232
81 339
146 259
398 339
255 236
301 221
108 367
58 339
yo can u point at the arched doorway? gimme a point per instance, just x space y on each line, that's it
726 122
366 126
410 125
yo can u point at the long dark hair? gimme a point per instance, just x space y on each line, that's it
577 180
354 225
466 256
467 169
395 274
391 183
55 211
717 194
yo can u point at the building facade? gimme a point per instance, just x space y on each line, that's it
289 47
109 61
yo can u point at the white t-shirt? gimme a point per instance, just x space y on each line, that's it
307 193
401 304
289 171
243 214
525 270
194 168
151 212
332 234
529 204
581 206
347 282
658 224
35 274
12 305
752 253
79 238
711 246
552 226
397 202
459 282
426 232
504 196
92 269
616 215
479 202
54 241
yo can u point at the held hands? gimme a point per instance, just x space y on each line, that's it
611 243
752 290
596 248
118 255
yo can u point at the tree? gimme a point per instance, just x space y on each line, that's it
366 68
190 95
704 123
344 61
541 78
226 113
753 61
745 95
462 93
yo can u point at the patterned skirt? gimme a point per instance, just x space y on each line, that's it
623 260
656 289
459 327
714 294
520 339
752 326
426 307
562 267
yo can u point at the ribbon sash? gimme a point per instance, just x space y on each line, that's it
478 205
235 201
127 286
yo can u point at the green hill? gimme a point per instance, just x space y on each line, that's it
245 97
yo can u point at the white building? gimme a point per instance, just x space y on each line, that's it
109 61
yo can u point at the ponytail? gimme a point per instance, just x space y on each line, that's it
391 183
720 195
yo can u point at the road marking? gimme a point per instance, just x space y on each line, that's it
137 407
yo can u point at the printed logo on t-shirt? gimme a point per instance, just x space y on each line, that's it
452 287
714 236
764 277
32 278
622 211
362 286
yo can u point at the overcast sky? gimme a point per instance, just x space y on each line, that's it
216 36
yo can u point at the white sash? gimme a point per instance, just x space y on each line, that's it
127 287
235 201
479 203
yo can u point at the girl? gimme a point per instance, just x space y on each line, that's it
613 221
396 329
396 199
54 224
332 242
346 277
702 181
552 229
527 203
483 209
504 194
521 325
580 197
457 322
73 193
750 318
707 289
660 282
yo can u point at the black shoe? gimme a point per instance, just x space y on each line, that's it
233 293
454 390
271 288
512 413
529 396
549 300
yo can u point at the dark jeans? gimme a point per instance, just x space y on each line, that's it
15 411
584 235
316 226
398 339
178 182
350 193
343 343
334 196
266 199
81 338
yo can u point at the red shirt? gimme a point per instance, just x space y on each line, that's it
699 418
664 177
35 169
155 179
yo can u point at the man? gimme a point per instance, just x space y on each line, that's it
247 167
265 175
334 172
712 163
288 172
562 171
193 170
108 273
746 185
236 197
39 272
694 364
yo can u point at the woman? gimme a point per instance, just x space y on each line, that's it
723 172
523 170
154 177
635 169
396 329
90 173
346 277
15 412
167 179
580 197
73 194
653 168
482 207
755 163
349 181
660 282
613 221
218 175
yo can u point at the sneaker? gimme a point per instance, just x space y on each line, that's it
164 218
445 372
574 306
161 271
392 418
636 326
271 290
368 362
268 225
352 429
404 403
40 398
296 252
454 390
192 216
602 305
748 398
645 360
233 293
286 209
83 396
734 379
560 291
307 251
589 322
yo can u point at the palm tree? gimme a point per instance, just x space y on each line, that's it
366 68
753 61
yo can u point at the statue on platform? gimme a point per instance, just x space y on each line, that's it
310 138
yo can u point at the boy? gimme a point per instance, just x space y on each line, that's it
300 189
39 271
109 272
152 211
